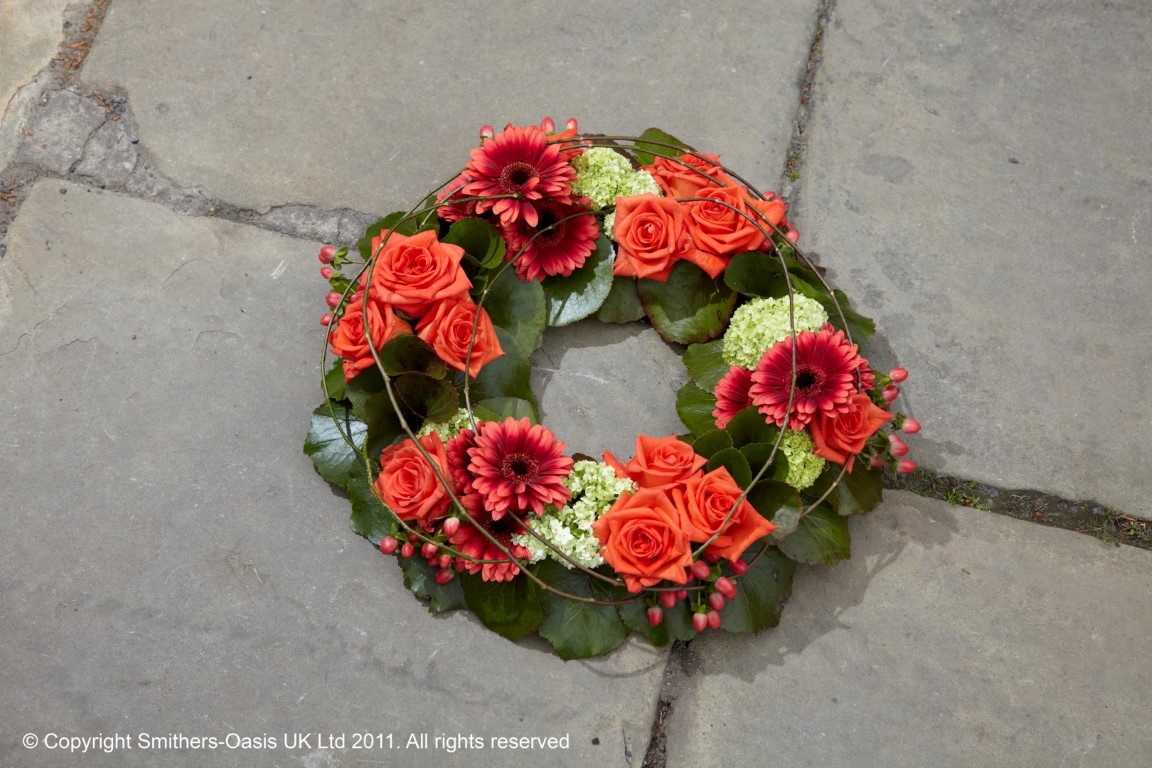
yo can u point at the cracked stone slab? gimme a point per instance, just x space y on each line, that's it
368 105
59 128
173 564
979 180
953 637
30 31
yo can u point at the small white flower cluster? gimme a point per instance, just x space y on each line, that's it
447 429
603 174
760 323
595 488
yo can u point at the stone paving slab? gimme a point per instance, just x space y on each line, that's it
953 637
369 105
173 565
980 174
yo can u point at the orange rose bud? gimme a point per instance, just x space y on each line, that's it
659 462
408 484
651 235
839 439
414 273
448 330
349 340
640 538
704 503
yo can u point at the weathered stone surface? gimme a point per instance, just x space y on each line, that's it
173 565
978 178
59 127
953 637
30 32
369 105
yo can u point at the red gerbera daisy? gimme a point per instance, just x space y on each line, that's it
732 395
518 467
556 251
457 450
474 545
452 194
826 365
518 162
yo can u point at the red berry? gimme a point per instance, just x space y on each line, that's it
548 125
700 621
878 462
890 392
898 449
444 561
726 587
700 569
681 594
429 550
655 616
791 235
326 318
710 557
906 466
332 299
713 619
668 599
716 600
571 125
911 426
486 132
327 253
451 525
443 576
407 550
327 272
898 374
388 545
738 567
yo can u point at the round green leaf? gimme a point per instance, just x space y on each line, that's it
578 629
761 592
421 579
677 623
519 308
820 538
326 444
623 303
706 364
711 442
509 608
689 307
694 406
580 294
507 376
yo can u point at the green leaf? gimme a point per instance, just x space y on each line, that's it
428 399
689 307
860 490
761 594
326 445
479 239
694 406
577 629
706 364
861 328
787 520
623 303
749 426
677 623
770 496
519 308
406 353
821 538
580 294
653 142
507 376
755 273
757 455
382 421
712 442
500 408
737 466
421 579
509 608
370 518
334 380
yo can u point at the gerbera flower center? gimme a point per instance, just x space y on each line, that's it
809 380
515 175
519 466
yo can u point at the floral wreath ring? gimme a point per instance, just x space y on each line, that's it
431 427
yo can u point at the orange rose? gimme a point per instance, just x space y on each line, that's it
726 226
676 180
408 484
640 538
659 462
412 273
704 503
839 439
448 330
349 341
651 235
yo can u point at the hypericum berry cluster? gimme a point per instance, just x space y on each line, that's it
897 448
712 591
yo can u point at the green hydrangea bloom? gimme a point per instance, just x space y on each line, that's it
595 489
603 174
760 323
803 465
447 429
